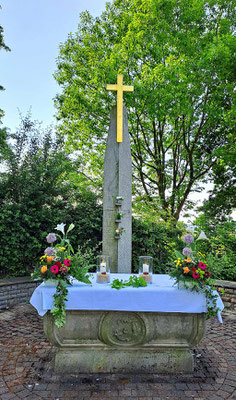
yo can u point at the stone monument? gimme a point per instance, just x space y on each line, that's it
117 188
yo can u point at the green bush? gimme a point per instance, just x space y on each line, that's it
158 240
35 195
220 248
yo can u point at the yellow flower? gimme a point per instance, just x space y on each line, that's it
44 269
41 258
186 270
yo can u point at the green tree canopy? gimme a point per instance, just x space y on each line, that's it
222 199
179 55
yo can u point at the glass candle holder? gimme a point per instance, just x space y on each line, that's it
145 268
103 269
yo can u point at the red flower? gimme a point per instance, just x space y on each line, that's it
58 264
54 269
64 269
202 265
67 262
196 276
194 269
207 274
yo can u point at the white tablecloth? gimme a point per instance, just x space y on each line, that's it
160 296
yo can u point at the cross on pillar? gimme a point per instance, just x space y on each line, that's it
120 88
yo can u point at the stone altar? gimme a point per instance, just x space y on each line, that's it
125 342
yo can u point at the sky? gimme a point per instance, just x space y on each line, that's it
33 29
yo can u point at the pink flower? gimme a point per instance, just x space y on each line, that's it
64 269
195 276
54 269
67 262
202 265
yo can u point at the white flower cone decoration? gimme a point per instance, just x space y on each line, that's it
202 236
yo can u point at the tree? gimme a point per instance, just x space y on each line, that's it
179 55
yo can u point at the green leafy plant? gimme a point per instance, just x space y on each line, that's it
133 281
119 215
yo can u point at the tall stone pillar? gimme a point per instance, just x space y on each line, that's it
117 182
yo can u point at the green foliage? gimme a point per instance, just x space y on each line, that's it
157 239
134 281
59 306
222 199
220 249
83 261
36 193
181 113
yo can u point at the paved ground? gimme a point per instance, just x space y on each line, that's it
26 368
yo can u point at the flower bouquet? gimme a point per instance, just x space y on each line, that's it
190 272
59 266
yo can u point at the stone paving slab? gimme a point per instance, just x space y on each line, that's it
26 367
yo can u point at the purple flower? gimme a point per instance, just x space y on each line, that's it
188 239
49 251
187 251
51 237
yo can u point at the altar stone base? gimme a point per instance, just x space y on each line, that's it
125 342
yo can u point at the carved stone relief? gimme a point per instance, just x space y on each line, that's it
122 329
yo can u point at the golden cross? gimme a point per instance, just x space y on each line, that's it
120 88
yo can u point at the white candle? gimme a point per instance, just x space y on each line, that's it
103 267
145 268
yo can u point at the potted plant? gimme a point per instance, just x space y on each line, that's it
118 200
118 232
119 215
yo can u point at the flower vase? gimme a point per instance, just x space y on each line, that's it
185 285
50 282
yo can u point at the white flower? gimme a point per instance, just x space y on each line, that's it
202 236
191 228
61 228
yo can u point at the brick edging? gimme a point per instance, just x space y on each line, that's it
229 295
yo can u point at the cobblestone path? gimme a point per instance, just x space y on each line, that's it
26 368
